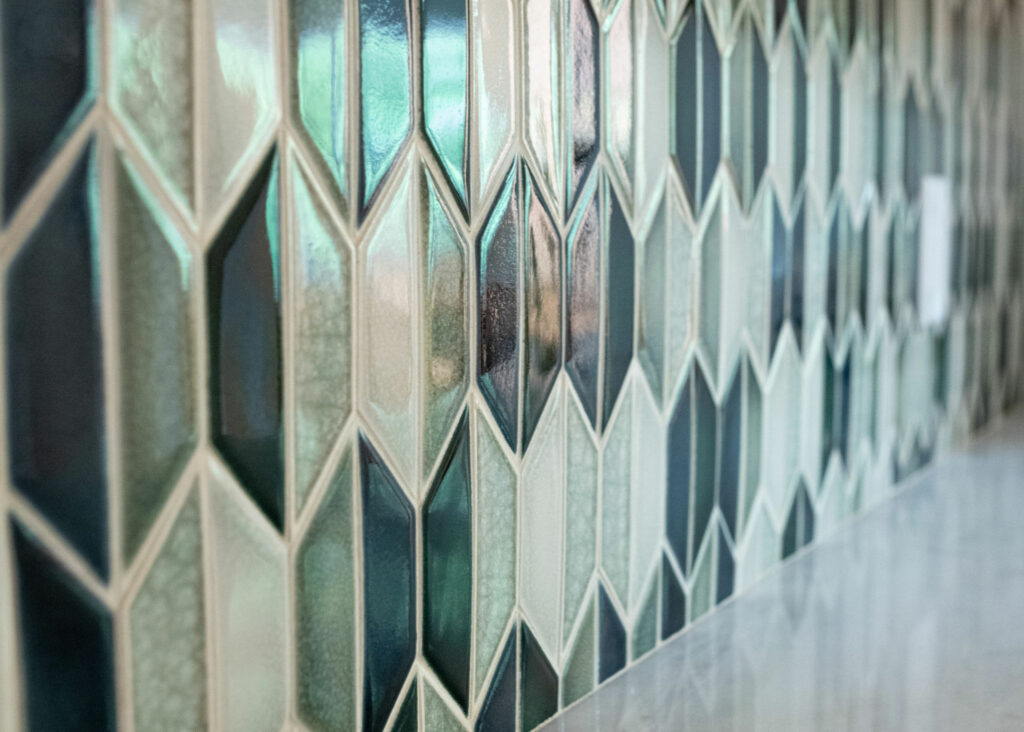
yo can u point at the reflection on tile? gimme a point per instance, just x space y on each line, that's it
583 103
249 570
66 644
168 631
325 610
445 311
448 568
243 301
581 460
495 507
241 91
55 394
542 529
578 676
543 88
583 300
47 85
322 292
498 711
445 100
542 301
152 85
611 637
156 354
498 316
317 64
389 587
538 683
385 91
387 385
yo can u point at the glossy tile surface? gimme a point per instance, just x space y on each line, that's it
55 414
863 620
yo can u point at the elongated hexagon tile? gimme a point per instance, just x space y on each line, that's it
782 416
600 261
448 568
321 272
495 510
746 70
325 628
153 89
858 128
156 355
384 93
244 321
637 124
48 86
401 321
581 516
697 134
824 100
498 710
241 98
538 685
389 586
583 98
248 564
168 631
788 123
317 67
542 529
578 675
55 395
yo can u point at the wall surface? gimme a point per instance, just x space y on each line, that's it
420 365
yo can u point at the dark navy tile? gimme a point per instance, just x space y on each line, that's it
779 270
389 587
538 685
448 569
244 302
611 638
55 418
47 85
498 712
673 601
66 641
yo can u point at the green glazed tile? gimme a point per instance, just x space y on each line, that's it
579 675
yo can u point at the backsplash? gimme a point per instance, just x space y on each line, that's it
420 365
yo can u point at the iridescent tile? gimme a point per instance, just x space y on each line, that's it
325 610
156 354
498 286
445 325
448 568
583 102
538 682
249 567
55 394
637 125
494 546
583 301
168 631
385 91
240 99
697 143
578 678
318 69
243 302
611 635
445 80
494 92
673 601
498 711
388 382
389 587
48 85
581 484
65 640
542 302
152 86
321 276
542 529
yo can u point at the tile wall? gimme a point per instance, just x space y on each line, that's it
420 364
